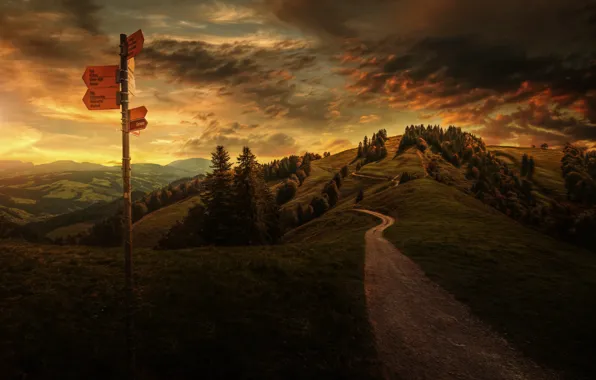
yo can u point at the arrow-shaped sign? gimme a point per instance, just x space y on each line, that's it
137 125
135 43
101 99
101 77
137 113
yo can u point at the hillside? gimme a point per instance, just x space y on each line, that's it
301 311
35 197
534 290
194 165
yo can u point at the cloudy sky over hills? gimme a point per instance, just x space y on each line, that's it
285 76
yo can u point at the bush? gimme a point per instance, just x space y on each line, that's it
360 196
332 193
319 205
345 171
301 175
338 180
286 191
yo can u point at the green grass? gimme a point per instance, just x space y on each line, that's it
24 201
148 231
410 161
273 312
547 174
70 230
538 292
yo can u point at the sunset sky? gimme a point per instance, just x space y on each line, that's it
285 76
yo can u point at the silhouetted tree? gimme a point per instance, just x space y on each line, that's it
332 192
286 191
217 196
345 171
320 205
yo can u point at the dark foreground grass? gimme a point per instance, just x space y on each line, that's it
280 312
538 292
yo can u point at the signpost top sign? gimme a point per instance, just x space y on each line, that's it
135 43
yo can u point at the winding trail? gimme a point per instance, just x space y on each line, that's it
422 332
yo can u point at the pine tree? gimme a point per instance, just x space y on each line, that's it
216 194
531 167
249 218
359 150
524 165
256 210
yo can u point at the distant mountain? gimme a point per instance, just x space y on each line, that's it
6 165
194 165
68 166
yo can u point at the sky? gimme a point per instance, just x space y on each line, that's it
289 76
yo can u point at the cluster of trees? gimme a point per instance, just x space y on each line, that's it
288 166
501 186
373 149
453 144
237 207
173 193
578 167
318 205
511 192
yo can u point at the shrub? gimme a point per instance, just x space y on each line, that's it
286 191
338 180
319 205
360 196
345 171
332 193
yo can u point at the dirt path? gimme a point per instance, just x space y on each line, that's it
370 177
422 332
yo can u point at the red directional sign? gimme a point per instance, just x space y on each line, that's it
137 113
101 76
135 43
137 125
101 99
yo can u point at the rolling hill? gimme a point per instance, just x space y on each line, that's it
44 191
534 290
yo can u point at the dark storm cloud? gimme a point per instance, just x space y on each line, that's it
64 32
464 60
84 14
262 144
263 76
198 62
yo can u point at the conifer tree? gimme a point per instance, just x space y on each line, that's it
216 194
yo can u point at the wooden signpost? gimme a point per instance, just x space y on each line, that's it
109 87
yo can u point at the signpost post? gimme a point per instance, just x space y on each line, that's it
108 88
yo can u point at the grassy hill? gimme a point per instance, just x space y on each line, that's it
150 229
35 197
548 166
300 309
300 306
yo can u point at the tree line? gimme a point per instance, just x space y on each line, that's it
454 145
374 149
293 217
288 166
578 167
